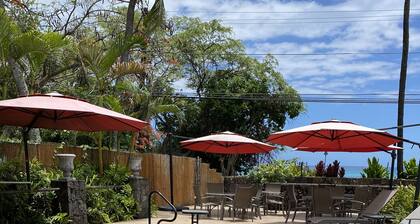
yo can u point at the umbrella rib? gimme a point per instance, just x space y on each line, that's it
138 129
304 140
365 136
207 148
79 115
345 132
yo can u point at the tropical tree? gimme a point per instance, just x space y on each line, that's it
33 58
223 77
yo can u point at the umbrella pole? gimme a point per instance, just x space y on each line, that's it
25 133
416 194
391 179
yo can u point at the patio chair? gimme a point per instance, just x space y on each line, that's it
368 215
258 203
321 201
295 204
361 194
215 188
242 201
275 198
211 202
412 218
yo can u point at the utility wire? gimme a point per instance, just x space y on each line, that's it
285 12
285 99
309 18
312 22
293 54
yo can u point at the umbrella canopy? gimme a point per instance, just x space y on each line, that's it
226 143
335 136
389 148
55 111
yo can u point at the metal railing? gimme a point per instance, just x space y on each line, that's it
149 209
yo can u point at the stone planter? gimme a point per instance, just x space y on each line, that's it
65 163
135 166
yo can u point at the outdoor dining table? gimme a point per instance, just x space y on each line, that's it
223 197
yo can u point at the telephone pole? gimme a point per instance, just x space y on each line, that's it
403 78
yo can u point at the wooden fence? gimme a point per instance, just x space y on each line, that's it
155 167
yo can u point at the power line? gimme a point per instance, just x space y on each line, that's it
285 12
290 98
308 54
312 22
311 18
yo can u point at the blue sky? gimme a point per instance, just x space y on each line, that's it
300 27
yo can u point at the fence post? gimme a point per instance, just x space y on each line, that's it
71 199
197 182
141 189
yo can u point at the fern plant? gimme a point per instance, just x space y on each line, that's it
375 169
410 169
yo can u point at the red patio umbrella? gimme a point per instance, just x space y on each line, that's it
226 143
55 111
334 135
337 136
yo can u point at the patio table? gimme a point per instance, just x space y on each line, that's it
223 196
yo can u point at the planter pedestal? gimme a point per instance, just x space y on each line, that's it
141 189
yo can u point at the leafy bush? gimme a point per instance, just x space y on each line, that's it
108 205
410 169
333 170
341 172
14 208
104 205
277 171
375 169
401 204
320 169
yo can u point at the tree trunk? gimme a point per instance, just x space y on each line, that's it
22 87
229 170
129 25
403 78
19 77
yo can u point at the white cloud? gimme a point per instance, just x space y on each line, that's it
331 73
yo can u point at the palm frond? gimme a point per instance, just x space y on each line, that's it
126 68
155 18
118 47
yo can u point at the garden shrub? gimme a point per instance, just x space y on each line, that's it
401 204
410 169
24 207
277 171
108 205
104 205
375 169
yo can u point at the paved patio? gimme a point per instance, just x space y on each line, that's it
182 219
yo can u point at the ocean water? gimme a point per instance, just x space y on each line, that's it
353 171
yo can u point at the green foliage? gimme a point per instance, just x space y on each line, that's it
107 205
410 169
215 64
401 204
14 208
104 205
332 170
277 171
375 169
60 218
